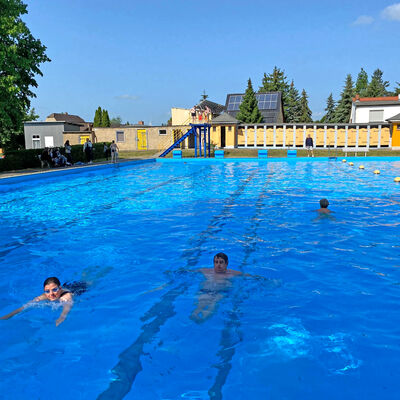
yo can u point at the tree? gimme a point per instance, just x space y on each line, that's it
397 89
248 110
105 119
330 110
343 109
305 112
292 110
276 82
116 121
377 86
97 117
362 83
20 58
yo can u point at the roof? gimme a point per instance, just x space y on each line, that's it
395 118
269 104
215 108
376 101
224 118
65 117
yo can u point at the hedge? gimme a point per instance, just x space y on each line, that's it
22 159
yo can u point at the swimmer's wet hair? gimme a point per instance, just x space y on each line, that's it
52 279
324 203
223 256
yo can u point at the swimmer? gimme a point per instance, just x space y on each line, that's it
217 283
324 203
52 291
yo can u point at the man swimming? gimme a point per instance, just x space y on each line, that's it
324 203
52 291
217 283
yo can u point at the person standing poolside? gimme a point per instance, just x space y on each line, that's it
324 203
105 150
309 146
52 291
114 152
68 149
88 150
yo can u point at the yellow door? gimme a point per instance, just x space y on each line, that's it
142 139
396 135
82 139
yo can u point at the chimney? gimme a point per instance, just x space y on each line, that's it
357 97
141 123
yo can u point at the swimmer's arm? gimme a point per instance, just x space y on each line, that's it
68 303
20 309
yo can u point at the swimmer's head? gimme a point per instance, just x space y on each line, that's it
324 203
52 288
220 263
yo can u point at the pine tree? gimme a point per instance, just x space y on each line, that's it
397 89
248 110
105 119
305 112
292 110
343 109
97 117
377 86
362 83
276 82
330 110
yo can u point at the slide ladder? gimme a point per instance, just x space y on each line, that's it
180 140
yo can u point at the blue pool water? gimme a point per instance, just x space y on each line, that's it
317 319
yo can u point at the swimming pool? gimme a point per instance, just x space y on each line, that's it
329 331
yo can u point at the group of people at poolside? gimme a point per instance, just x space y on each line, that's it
54 157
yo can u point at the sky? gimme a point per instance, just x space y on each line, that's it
138 59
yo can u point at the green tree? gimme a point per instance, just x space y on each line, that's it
97 117
343 109
377 87
293 107
276 82
248 109
20 58
362 83
305 112
397 89
330 110
105 119
116 121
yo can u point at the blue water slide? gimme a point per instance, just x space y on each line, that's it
180 140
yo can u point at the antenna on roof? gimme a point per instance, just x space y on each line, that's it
204 95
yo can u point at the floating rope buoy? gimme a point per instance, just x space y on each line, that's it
361 167
397 179
377 172
351 164
344 160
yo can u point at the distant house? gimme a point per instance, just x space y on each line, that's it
202 112
374 109
53 131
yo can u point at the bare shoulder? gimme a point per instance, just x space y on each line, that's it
67 297
234 272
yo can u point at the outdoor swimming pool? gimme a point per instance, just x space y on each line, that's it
329 331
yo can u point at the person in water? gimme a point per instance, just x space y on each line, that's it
218 281
324 203
52 291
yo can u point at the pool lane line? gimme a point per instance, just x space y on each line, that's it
230 334
129 364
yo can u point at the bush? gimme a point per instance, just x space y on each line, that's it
22 159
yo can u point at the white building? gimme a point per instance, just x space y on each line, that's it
374 109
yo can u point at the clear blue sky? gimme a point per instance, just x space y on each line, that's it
138 59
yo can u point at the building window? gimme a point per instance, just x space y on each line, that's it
120 136
162 131
48 141
376 116
36 142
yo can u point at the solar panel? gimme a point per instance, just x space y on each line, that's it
266 101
